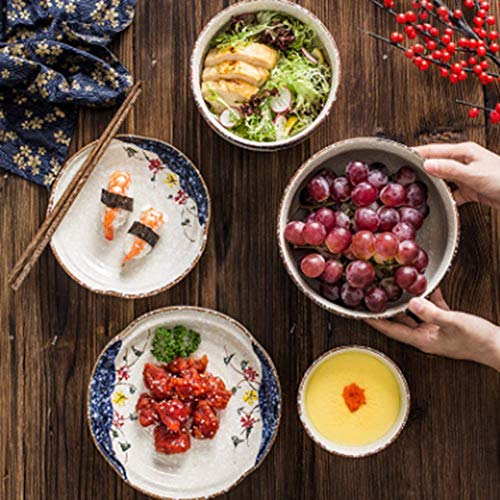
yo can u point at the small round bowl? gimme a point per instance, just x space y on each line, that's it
439 235
356 451
212 29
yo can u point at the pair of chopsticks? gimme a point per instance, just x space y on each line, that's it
33 251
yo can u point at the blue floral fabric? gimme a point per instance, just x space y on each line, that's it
53 57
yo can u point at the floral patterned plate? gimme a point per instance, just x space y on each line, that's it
162 177
248 426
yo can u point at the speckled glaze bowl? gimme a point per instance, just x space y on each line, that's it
211 467
356 451
217 23
439 235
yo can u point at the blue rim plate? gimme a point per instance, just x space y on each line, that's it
163 178
248 426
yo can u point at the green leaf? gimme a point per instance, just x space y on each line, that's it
248 431
236 440
228 359
137 352
124 446
133 416
244 364
132 389
114 433
177 342
131 151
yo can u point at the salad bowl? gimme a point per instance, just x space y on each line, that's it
328 53
210 467
439 235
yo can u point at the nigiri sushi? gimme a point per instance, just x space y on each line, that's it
117 202
143 235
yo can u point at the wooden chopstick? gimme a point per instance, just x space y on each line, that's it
33 251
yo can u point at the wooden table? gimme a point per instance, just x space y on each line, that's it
52 330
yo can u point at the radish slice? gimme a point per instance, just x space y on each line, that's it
282 102
230 118
309 56
280 126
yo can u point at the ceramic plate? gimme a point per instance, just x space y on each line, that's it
162 177
248 425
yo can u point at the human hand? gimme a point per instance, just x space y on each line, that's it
444 332
474 169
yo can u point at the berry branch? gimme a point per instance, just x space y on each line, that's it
440 36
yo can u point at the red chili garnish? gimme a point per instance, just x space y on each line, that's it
354 397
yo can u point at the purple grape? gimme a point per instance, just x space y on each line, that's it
341 189
411 216
404 231
407 252
360 274
419 286
318 189
314 233
422 261
388 217
392 290
325 216
393 195
405 176
376 299
377 179
366 218
338 239
352 297
356 172
330 291
424 210
364 194
333 271
313 265
405 276
416 194
342 220
294 233
329 176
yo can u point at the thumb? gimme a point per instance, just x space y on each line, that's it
430 313
450 170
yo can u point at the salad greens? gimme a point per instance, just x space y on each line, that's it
169 344
300 69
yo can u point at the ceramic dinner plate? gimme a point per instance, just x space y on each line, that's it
248 425
163 178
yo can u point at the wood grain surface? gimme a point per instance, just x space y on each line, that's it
52 330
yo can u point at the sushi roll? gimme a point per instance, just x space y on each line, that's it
117 203
143 235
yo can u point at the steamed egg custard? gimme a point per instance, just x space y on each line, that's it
352 398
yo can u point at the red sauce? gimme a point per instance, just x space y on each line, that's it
182 404
354 397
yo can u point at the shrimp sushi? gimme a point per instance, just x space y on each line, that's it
117 202
143 235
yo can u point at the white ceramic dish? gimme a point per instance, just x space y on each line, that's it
439 235
251 6
162 177
356 451
248 426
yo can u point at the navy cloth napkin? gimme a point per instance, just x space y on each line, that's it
53 57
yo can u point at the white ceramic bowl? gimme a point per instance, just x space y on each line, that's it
356 451
213 28
438 236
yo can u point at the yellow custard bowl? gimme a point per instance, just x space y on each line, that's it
353 401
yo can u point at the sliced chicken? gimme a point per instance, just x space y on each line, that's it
257 54
233 92
236 70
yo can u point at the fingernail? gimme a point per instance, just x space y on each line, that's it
417 305
430 165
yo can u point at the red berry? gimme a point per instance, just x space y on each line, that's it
456 68
481 51
424 65
473 112
482 13
463 42
437 54
448 31
410 31
491 20
446 39
444 72
396 37
401 18
442 11
485 5
478 21
453 78
418 61
497 107
482 33
431 44
409 53
472 61
458 14
484 64
469 4
490 78
462 76
446 56
451 47
494 117
472 43
411 16
433 31
477 69
494 47
493 35
418 48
